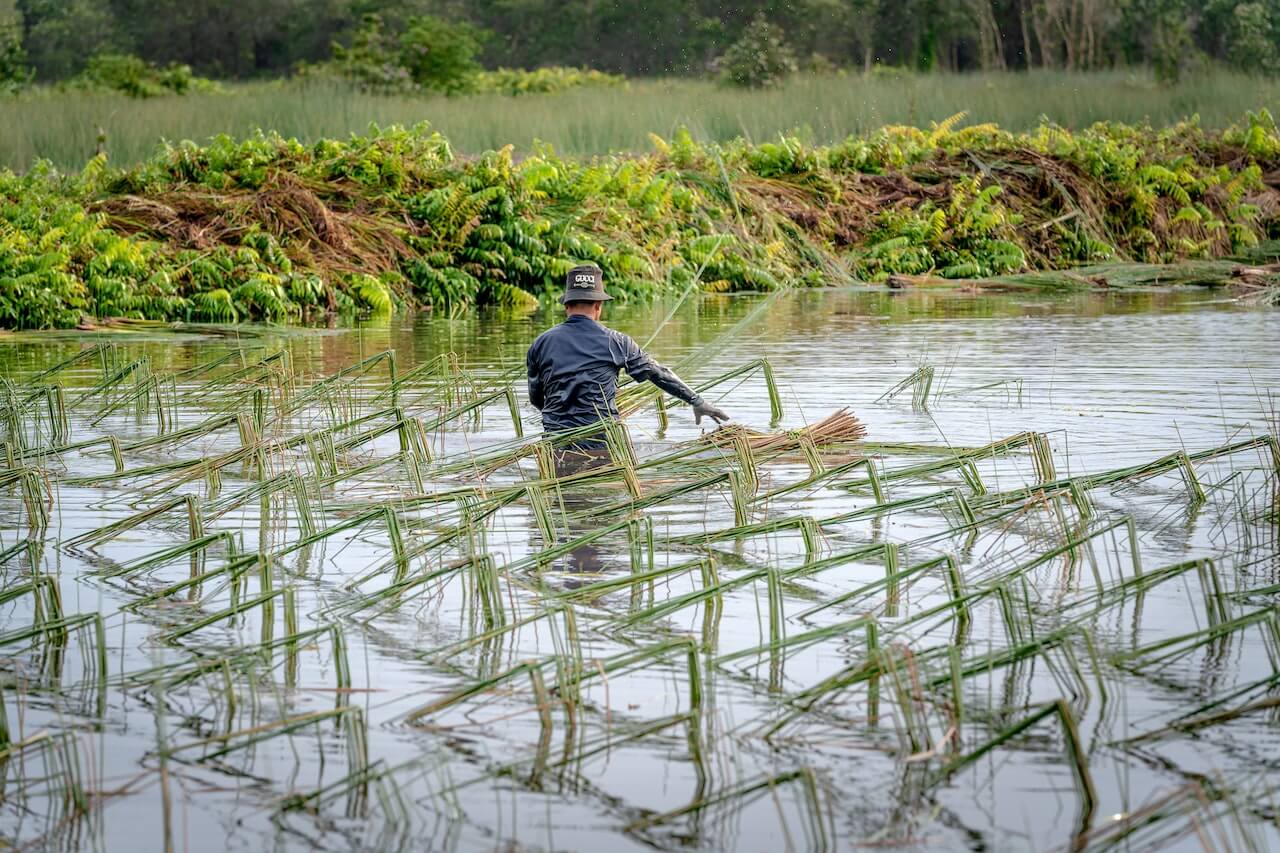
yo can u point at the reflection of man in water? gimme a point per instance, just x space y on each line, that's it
576 498
573 380
573 370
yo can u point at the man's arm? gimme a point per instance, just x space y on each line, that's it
643 367
535 380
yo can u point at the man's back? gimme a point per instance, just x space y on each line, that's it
573 372
573 368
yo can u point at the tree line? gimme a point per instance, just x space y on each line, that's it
235 39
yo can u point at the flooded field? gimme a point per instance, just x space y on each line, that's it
277 589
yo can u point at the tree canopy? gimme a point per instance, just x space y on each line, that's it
234 39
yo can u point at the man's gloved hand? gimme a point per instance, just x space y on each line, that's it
701 409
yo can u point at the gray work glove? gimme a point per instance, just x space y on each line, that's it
701 409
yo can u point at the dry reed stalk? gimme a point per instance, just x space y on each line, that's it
839 427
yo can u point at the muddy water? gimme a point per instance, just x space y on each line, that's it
653 754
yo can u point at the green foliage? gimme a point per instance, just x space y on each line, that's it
15 73
46 240
429 54
61 126
818 63
761 57
438 54
435 55
371 61
973 236
60 35
1172 46
233 39
372 294
138 78
272 229
1253 39
214 306
515 81
1259 137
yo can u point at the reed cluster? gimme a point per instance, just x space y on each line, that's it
267 533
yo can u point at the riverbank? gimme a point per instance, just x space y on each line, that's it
269 228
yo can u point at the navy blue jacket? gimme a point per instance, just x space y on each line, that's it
573 373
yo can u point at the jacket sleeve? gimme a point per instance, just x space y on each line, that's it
535 380
642 367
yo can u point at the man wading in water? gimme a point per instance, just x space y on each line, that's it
573 372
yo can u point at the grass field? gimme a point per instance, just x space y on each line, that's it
64 127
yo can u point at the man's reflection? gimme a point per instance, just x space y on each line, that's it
578 497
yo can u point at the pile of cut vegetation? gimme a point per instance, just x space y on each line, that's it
270 228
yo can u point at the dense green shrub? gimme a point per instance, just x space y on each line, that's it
761 57
1253 39
138 78
15 73
371 61
435 55
517 81
429 54
438 54
1172 44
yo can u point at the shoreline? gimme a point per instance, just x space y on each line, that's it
270 229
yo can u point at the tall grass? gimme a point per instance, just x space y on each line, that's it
65 127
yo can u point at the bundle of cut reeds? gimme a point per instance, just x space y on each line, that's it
839 427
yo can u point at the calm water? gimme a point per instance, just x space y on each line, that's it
634 762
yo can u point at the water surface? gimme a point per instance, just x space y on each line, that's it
639 756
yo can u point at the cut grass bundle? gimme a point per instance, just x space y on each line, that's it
840 427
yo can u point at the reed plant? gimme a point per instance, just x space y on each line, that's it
61 127
942 606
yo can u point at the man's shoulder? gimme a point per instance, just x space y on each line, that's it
547 335
614 334
580 331
547 338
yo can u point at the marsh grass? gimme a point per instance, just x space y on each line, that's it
973 628
64 127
